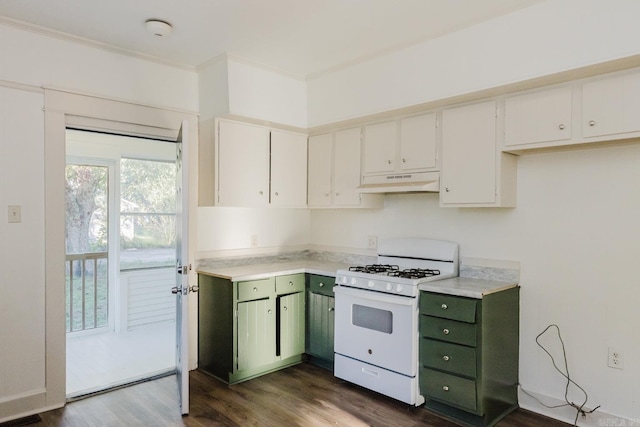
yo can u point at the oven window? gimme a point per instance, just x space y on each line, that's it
372 318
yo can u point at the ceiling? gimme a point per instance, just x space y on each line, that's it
299 37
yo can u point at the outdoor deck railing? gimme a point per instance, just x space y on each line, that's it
87 288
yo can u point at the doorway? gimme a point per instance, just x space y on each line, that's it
120 262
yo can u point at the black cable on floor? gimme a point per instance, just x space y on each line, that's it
580 409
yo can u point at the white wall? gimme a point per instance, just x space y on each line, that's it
576 233
213 86
550 37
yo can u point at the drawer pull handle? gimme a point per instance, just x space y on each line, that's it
445 388
446 331
321 284
444 306
255 289
446 358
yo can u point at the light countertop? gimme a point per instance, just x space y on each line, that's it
466 287
264 270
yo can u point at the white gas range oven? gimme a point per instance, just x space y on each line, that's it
376 315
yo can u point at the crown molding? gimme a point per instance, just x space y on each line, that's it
60 35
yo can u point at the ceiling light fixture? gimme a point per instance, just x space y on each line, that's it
158 28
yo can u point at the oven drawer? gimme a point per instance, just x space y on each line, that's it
289 284
321 284
255 289
448 388
448 330
448 307
448 357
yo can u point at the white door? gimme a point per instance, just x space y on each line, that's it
182 267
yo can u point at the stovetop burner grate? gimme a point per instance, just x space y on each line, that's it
394 271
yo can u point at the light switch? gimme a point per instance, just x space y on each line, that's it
14 213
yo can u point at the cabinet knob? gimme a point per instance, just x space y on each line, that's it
331 309
444 306
445 388
290 283
284 308
261 193
404 160
326 194
337 194
445 331
446 189
592 122
445 358
255 289
561 126
321 285
269 311
389 161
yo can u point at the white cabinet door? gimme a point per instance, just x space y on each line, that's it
418 149
611 105
379 148
243 165
469 154
543 116
320 158
288 169
347 167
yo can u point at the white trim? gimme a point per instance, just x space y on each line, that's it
21 86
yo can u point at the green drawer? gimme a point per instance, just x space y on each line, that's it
448 330
321 284
255 289
448 307
289 284
448 357
448 388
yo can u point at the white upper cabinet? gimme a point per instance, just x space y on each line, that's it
418 143
258 166
288 169
407 144
242 164
334 172
379 148
538 117
320 163
473 171
611 106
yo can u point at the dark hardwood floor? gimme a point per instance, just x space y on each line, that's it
303 395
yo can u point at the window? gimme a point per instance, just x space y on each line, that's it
147 214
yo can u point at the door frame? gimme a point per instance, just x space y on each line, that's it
66 109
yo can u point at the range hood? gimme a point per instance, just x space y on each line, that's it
401 183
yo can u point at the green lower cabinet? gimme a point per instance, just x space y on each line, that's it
469 356
291 309
256 334
320 320
247 329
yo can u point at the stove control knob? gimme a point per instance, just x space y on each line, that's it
399 288
343 279
353 280
371 284
389 286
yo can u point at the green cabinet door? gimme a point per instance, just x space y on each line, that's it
321 325
256 333
291 313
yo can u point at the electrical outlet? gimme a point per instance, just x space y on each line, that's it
372 242
254 240
615 358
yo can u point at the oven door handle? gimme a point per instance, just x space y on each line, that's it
374 296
